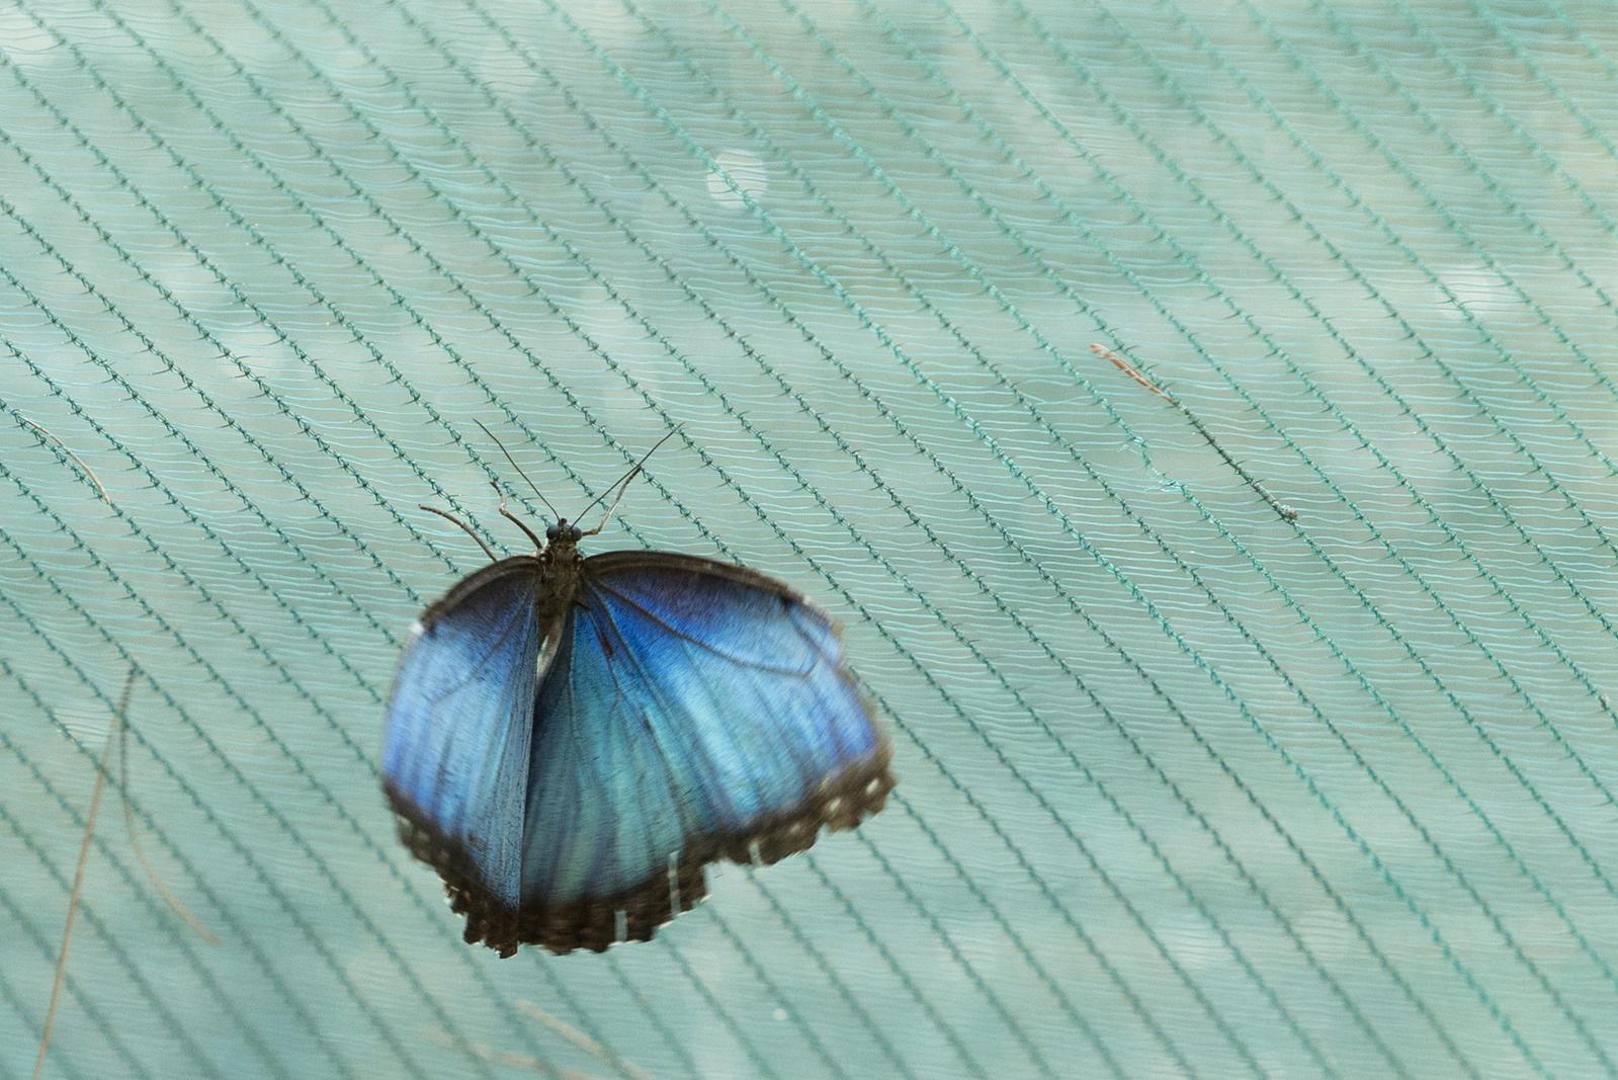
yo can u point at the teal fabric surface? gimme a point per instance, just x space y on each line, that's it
1184 787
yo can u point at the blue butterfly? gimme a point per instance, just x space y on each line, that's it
570 740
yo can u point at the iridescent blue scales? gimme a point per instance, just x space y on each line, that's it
570 741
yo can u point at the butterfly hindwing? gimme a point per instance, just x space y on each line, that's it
695 711
457 739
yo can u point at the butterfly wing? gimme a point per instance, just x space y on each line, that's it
695 711
457 739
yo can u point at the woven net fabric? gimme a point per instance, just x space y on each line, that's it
1185 786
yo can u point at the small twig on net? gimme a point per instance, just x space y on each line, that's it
120 730
1286 512
583 1041
78 883
89 472
512 1060
161 889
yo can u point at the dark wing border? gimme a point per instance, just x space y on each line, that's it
842 801
474 581
609 561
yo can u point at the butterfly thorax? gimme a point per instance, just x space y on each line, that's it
561 568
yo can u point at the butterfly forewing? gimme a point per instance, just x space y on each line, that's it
457 738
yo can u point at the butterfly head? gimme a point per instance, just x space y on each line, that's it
563 535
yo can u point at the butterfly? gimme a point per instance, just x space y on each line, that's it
569 741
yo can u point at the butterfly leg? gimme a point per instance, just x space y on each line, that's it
463 526
539 545
616 500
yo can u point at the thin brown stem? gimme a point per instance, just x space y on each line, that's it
78 882
1286 512
583 1041
121 724
89 472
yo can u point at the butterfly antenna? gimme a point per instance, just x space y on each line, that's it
514 465
622 484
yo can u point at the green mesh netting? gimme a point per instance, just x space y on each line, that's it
1184 787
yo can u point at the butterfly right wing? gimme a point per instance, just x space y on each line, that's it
695 711
456 742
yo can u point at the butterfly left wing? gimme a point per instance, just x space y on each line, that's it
456 741
695 711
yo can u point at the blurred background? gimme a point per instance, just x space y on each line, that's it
1185 787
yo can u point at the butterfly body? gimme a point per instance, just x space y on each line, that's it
569 741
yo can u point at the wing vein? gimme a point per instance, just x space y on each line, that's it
649 680
802 673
